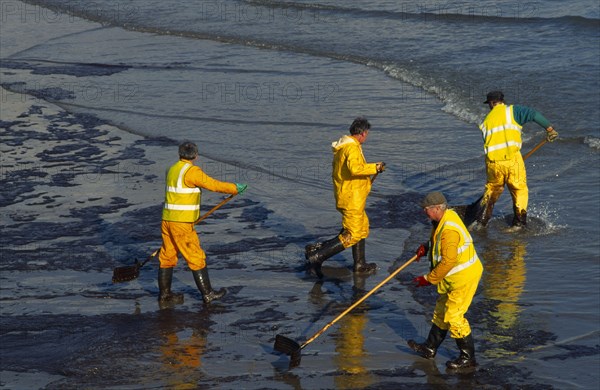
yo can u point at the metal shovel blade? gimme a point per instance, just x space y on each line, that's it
127 273
285 345
289 347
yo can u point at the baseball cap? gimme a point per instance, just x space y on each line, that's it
494 96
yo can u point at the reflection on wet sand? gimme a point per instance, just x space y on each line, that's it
181 351
503 283
351 356
432 373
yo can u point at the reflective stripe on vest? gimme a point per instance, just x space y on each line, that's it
501 134
466 246
182 203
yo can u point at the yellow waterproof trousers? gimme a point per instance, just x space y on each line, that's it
180 237
510 173
450 308
355 226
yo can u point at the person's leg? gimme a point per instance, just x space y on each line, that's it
189 246
165 295
493 189
203 283
359 257
167 261
352 232
466 358
359 249
437 333
517 185
167 256
429 348
457 305
320 252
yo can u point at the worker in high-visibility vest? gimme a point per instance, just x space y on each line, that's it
501 130
455 269
184 185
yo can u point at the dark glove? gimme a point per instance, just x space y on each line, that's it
551 134
422 251
420 281
380 167
241 188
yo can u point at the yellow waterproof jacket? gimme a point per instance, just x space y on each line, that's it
183 191
454 261
501 134
351 174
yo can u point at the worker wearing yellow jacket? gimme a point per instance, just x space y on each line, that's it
351 176
501 130
184 184
456 271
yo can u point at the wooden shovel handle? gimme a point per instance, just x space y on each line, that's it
209 212
384 281
536 147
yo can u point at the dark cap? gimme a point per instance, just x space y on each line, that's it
433 199
494 96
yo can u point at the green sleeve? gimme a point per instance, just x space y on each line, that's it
525 114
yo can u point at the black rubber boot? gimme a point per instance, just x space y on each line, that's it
484 214
311 249
360 264
323 251
429 348
466 359
203 284
519 218
165 296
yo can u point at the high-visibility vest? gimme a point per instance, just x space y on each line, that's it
182 203
501 134
467 256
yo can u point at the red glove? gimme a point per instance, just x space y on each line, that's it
421 281
421 251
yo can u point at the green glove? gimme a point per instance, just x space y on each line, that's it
241 188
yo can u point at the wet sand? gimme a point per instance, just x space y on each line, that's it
82 197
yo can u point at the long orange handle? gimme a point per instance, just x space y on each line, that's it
535 148
209 212
384 281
